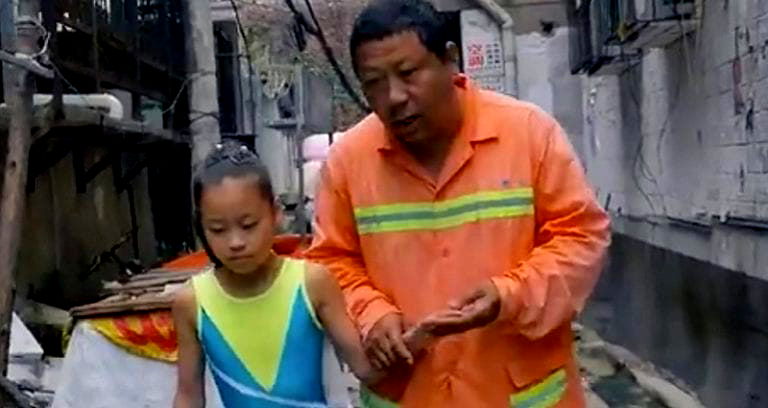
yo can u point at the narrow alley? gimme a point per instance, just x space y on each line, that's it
523 203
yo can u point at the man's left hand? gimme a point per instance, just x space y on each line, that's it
476 309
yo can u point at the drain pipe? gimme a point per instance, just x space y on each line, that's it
107 103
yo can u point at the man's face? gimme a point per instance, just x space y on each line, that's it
407 86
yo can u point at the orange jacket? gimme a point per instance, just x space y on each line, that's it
512 204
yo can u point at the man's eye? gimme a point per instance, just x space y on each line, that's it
408 72
370 82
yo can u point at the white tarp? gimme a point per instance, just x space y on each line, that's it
26 356
99 374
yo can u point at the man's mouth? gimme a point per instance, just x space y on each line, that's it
406 121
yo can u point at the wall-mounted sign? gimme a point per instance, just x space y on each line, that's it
483 54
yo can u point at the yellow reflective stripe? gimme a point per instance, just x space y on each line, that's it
446 222
370 400
525 192
545 394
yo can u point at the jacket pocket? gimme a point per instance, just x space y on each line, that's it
546 393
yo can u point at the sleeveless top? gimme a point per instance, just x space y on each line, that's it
264 351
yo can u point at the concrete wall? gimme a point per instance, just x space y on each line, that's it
63 230
529 14
676 148
683 136
705 324
542 78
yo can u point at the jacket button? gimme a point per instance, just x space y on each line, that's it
446 252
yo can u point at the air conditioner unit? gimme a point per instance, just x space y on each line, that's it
594 46
655 23
656 10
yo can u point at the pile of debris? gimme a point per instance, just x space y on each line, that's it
152 290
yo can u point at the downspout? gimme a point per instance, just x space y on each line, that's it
508 42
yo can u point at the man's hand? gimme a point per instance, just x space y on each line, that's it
478 308
384 344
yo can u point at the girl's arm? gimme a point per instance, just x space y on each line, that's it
189 392
328 303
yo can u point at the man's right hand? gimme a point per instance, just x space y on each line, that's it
384 344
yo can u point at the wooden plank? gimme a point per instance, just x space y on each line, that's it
169 273
147 283
133 305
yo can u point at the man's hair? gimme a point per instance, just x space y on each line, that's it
384 18
227 159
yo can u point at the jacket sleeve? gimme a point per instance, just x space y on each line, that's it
572 233
336 245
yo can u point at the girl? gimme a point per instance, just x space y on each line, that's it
256 319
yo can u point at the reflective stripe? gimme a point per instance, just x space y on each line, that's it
545 394
370 400
445 214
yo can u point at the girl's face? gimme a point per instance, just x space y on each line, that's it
238 222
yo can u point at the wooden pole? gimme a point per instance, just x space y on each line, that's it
18 90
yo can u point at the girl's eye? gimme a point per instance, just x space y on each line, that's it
217 230
249 225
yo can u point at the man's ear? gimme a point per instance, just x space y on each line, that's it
278 215
452 54
452 51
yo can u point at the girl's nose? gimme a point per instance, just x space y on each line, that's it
236 243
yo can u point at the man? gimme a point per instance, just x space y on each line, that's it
449 197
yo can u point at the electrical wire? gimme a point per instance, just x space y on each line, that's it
184 85
317 30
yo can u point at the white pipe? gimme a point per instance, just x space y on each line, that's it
102 102
497 13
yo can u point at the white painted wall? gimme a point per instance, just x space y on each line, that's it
543 78
666 141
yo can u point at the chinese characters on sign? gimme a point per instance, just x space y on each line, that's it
482 50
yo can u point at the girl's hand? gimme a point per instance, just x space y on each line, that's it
438 324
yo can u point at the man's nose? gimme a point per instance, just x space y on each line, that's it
398 92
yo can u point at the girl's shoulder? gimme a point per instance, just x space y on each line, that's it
184 303
319 282
316 274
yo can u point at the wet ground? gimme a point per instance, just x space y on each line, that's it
615 377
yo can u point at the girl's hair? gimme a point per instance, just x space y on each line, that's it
227 159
